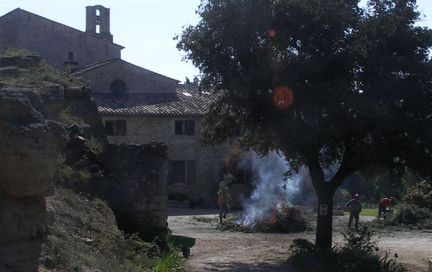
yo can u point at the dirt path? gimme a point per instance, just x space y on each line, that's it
236 251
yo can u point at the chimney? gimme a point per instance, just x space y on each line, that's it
98 22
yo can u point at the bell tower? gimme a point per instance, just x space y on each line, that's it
98 22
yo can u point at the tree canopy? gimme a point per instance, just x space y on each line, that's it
326 82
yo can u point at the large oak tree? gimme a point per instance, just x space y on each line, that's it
326 82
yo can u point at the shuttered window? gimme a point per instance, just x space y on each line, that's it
184 127
116 127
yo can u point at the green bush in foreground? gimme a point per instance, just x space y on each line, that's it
359 253
145 256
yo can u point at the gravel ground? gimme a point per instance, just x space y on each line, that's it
217 250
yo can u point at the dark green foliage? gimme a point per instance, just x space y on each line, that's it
178 196
358 80
358 254
136 247
144 256
420 195
410 214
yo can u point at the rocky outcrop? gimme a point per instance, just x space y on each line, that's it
41 120
31 142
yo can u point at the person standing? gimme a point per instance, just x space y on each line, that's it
224 196
354 206
384 206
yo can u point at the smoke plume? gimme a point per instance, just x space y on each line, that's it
272 190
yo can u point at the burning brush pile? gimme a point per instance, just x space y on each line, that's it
270 206
279 220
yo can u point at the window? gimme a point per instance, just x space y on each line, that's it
98 20
118 87
182 172
185 127
115 127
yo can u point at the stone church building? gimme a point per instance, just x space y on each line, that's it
136 105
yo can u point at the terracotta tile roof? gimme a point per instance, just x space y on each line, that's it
188 101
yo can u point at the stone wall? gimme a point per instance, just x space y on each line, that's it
52 40
138 196
208 159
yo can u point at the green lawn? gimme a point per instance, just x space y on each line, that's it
367 212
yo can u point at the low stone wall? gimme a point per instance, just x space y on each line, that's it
139 195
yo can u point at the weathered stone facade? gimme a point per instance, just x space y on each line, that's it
207 159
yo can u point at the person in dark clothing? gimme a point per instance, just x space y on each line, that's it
354 206
224 196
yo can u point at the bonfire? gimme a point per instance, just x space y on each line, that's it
281 219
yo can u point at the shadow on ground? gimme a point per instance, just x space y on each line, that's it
188 211
244 267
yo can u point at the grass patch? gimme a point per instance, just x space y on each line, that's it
172 262
367 212
145 256
39 74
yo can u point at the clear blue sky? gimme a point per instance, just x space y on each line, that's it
145 27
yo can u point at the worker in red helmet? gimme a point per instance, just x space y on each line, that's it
354 206
384 206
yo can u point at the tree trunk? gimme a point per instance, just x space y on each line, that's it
324 231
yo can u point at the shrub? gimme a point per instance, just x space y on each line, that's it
178 196
144 256
410 214
358 254
420 195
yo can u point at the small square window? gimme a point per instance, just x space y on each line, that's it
109 128
120 127
184 127
116 127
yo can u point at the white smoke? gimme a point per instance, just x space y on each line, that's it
271 187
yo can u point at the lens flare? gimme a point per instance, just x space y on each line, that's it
283 97
271 33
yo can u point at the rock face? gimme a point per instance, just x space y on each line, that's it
31 141
28 154
130 177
